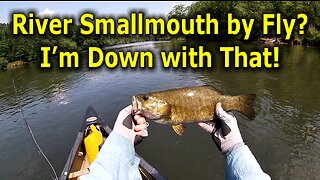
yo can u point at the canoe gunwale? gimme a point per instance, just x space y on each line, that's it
145 168
67 167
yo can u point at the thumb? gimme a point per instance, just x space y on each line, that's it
127 110
125 118
223 115
128 121
225 129
209 127
225 118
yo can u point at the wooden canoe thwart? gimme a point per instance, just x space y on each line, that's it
78 163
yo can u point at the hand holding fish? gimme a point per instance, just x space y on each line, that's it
131 127
225 132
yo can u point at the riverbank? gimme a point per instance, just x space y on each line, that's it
7 62
130 42
15 64
13 48
109 45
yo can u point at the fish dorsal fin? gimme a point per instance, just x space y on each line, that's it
178 128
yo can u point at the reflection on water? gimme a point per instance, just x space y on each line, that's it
284 135
60 95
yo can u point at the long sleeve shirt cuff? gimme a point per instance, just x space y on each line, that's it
118 146
241 164
116 160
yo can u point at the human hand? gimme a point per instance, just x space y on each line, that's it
225 132
132 128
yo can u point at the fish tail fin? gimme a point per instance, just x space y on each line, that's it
245 105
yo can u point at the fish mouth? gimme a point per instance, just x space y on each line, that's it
136 105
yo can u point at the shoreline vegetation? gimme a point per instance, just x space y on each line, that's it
15 64
255 10
18 50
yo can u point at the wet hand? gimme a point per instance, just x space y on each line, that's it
225 132
131 127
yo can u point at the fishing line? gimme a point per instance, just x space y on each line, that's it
32 136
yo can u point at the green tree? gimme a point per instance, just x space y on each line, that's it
312 37
178 12
253 10
67 44
3 63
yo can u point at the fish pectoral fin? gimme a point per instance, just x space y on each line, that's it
178 128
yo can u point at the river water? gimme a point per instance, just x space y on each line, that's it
284 136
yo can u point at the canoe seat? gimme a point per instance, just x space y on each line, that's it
78 173
83 170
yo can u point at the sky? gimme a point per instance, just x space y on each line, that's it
74 9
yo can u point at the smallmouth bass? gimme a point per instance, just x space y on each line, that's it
188 105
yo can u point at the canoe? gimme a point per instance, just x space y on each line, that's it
77 163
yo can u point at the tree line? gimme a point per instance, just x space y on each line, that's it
27 48
254 10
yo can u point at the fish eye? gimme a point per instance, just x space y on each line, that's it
145 97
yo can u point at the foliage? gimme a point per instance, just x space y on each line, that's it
252 10
312 38
3 63
66 44
178 12
27 48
